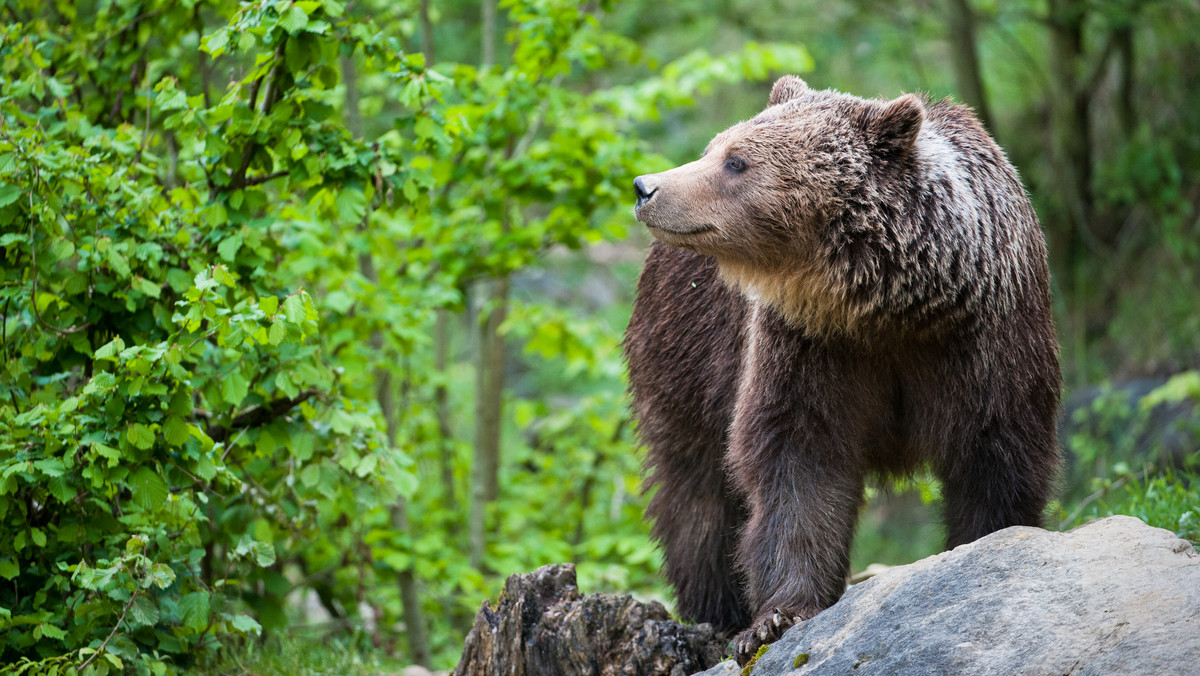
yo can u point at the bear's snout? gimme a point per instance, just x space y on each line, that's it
644 189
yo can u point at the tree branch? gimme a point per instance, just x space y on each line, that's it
257 416
111 633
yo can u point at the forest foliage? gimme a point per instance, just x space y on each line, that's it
299 303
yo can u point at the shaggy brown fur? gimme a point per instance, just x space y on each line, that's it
885 303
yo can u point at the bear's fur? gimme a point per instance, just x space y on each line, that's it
850 288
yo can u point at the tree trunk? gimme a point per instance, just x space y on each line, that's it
426 33
441 357
489 390
487 26
960 22
1125 57
1070 128
542 625
414 619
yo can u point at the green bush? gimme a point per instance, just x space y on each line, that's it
217 303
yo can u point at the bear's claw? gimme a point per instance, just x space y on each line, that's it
766 630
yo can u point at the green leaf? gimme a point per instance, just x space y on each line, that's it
193 610
51 631
173 100
278 332
246 624
160 575
144 611
9 569
38 537
229 246
8 194
61 489
221 274
215 43
139 435
112 454
149 489
147 287
50 466
268 304
264 553
110 349
175 431
293 20
234 388
293 308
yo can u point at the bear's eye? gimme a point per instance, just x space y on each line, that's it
735 164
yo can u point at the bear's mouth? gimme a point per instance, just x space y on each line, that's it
694 231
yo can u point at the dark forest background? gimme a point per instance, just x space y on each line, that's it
310 310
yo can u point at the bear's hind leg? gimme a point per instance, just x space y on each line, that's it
697 518
1005 479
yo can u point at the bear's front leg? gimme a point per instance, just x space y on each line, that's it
795 550
794 452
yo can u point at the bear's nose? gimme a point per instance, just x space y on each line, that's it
644 192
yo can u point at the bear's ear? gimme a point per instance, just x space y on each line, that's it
894 127
786 88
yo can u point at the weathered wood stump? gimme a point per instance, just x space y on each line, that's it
542 626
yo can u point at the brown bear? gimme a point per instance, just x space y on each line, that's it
842 288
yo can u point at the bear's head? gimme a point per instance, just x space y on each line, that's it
764 188
767 195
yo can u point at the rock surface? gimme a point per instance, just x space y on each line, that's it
1112 597
542 626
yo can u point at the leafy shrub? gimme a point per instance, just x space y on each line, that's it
216 309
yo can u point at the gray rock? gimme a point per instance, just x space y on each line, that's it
1112 597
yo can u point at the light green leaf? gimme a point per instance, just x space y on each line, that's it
160 575
246 624
172 99
293 20
229 246
293 308
111 349
264 553
175 431
149 489
140 435
9 569
193 610
268 304
61 489
50 466
278 333
144 611
221 274
215 43
51 631
8 194
234 388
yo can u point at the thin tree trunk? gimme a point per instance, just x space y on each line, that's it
1070 128
441 338
489 372
488 27
964 54
489 390
414 619
426 33
1125 57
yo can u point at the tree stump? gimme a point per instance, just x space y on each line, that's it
542 626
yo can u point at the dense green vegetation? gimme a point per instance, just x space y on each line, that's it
310 310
